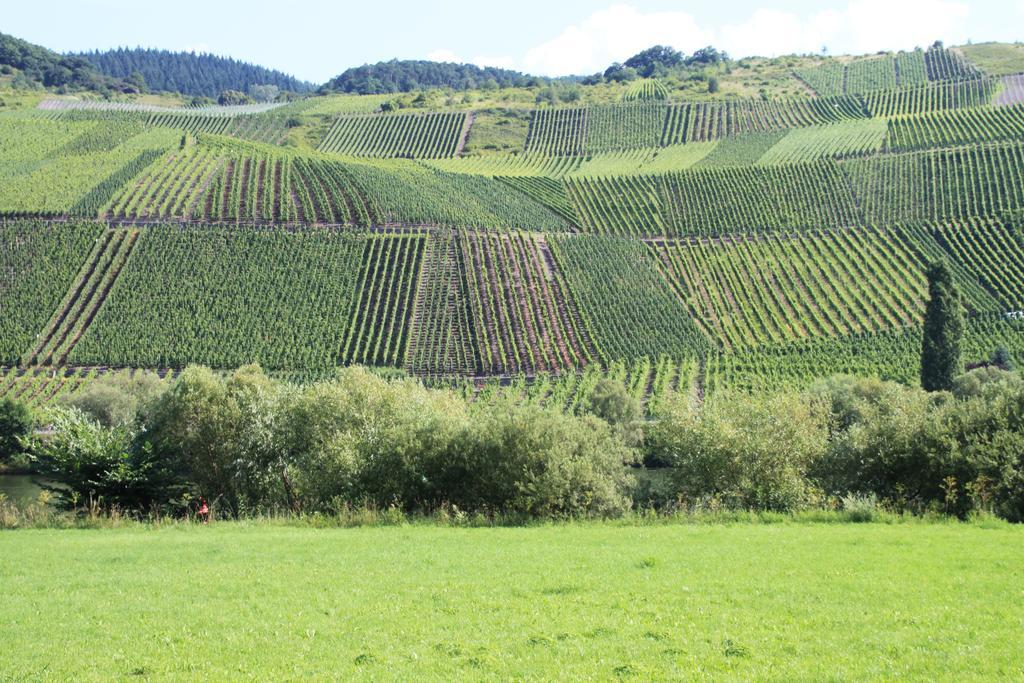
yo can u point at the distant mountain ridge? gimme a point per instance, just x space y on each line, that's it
188 73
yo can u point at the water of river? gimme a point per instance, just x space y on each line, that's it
18 488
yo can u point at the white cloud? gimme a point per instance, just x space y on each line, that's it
500 62
863 26
616 33
444 55
610 35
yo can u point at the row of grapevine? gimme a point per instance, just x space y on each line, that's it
949 65
892 355
84 299
39 263
405 192
259 128
931 97
379 328
523 320
645 89
324 192
651 382
627 308
717 201
172 186
207 184
845 139
940 185
747 291
94 106
703 121
828 80
65 167
794 196
558 132
956 127
615 127
742 150
890 72
911 69
410 136
37 387
867 75
227 296
545 191
992 252
619 206
441 342
509 165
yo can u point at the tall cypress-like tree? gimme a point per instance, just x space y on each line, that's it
943 330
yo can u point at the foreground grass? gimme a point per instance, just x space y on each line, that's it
744 601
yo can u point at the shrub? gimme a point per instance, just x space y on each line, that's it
524 459
610 401
860 508
219 432
748 452
118 399
16 424
96 465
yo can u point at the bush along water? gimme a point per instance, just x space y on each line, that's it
252 445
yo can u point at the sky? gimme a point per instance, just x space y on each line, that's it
318 39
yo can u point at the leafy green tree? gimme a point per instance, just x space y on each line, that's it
619 73
744 453
137 80
15 424
1001 358
941 350
610 401
647 62
220 433
96 465
233 97
118 399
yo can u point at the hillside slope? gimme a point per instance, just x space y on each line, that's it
679 244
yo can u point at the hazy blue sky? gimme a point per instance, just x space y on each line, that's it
316 39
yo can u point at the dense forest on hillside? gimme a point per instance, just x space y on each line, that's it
35 66
407 75
188 73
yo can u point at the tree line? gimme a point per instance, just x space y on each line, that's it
203 75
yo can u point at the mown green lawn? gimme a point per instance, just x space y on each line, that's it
745 601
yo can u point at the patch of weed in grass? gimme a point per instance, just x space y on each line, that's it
733 649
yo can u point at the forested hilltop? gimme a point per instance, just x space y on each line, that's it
189 73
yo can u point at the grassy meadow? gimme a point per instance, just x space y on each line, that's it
787 601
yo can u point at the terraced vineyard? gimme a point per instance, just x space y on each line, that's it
750 291
690 246
399 135
889 72
956 127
